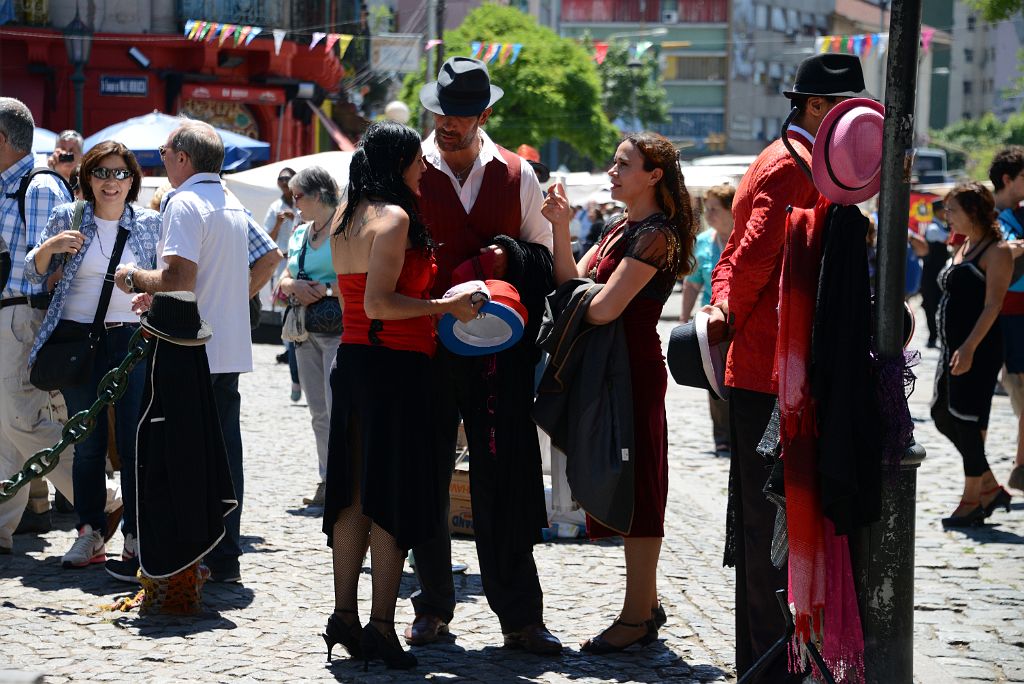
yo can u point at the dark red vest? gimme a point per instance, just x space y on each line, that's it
460 236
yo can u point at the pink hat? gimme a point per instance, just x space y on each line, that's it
847 155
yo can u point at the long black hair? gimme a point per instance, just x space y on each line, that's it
384 154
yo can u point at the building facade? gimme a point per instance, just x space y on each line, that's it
252 89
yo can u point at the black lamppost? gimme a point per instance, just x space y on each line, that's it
78 42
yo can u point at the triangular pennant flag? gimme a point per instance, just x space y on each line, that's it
600 52
344 40
317 37
196 28
474 49
431 44
238 34
866 47
515 52
858 44
278 39
331 40
883 43
214 32
256 30
225 31
503 56
927 33
492 50
203 31
642 47
819 44
189 25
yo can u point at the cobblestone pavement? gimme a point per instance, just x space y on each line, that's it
970 603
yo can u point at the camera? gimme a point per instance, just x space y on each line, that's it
65 157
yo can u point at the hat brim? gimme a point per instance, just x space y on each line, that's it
446 106
823 180
692 361
500 328
202 336
712 359
846 93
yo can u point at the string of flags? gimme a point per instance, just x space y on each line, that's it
637 50
861 45
210 31
490 52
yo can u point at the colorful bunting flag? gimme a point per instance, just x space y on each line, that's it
516 48
331 40
344 40
238 34
431 44
214 32
256 30
927 33
492 51
225 31
503 55
196 28
869 39
317 37
642 47
858 44
278 40
189 25
819 44
474 49
600 52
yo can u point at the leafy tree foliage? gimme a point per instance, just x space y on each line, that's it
997 10
551 91
629 87
972 143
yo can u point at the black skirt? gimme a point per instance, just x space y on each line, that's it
381 416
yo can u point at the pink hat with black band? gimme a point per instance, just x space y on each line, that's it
847 155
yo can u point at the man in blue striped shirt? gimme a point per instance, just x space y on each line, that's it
25 423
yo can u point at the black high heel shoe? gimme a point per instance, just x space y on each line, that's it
601 646
377 645
658 616
972 518
1000 500
340 632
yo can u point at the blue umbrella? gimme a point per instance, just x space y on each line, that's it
143 135
43 141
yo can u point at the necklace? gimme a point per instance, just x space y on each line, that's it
99 241
314 233
461 176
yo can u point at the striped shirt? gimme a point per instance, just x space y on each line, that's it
44 193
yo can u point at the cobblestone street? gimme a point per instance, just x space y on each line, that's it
969 584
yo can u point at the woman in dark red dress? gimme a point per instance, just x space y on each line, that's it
639 259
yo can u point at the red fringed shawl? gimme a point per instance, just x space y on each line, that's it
820 575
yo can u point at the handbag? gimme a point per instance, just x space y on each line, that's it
293 325
68 356
324 315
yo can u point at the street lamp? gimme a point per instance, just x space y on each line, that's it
636 66
78 42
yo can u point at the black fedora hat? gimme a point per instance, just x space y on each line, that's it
174 316
829 75
696 357
463 88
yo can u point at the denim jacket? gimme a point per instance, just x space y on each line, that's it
144 227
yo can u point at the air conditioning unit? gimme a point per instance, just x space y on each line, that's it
670 17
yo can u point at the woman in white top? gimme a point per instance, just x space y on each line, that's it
111 178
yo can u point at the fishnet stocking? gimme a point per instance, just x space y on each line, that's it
386 562
350 537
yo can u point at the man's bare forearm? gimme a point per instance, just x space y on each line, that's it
262 269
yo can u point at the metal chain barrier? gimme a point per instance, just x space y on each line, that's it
80 426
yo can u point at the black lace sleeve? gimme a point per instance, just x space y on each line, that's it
656 246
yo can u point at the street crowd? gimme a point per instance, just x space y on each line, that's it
386 280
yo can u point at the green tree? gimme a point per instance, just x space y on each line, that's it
629 87
972 143
997 10
551 91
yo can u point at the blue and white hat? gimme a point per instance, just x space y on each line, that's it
499 326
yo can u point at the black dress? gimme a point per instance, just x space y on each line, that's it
969 396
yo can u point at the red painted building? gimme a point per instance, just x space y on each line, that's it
247 89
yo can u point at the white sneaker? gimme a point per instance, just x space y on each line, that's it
130 548
87 549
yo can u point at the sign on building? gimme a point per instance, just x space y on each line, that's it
398 52
131 86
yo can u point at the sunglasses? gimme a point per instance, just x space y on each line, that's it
103 173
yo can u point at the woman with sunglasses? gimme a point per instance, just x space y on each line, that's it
110 180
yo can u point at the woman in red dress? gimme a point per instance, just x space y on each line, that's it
639 259
380 492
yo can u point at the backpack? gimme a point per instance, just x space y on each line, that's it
23 187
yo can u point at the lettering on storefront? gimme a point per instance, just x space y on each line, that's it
224 93
130 86
231 116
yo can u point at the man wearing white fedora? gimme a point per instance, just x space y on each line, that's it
482 204
745 287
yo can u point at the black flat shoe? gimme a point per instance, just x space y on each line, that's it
601 646
378 646
1000 500
972 518
348 635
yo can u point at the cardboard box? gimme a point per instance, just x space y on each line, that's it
460 514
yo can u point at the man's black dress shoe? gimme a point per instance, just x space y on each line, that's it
534 638
425 629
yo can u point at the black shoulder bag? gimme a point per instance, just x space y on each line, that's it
324 315
68 356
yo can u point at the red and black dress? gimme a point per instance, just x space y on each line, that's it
655 243
378 413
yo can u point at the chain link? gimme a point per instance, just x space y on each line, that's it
80 426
